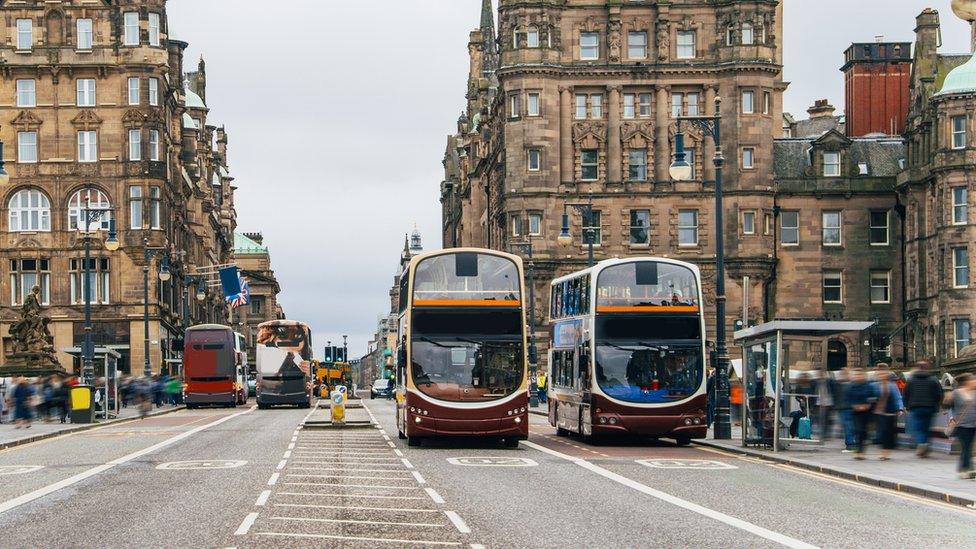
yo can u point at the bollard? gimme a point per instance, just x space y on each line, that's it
338 398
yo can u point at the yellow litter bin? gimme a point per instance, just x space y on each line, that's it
82 404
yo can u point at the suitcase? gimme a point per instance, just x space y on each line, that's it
805 429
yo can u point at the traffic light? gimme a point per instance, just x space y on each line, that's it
329 356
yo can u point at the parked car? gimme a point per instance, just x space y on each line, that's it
379 389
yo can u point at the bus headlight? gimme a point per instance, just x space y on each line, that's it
518 420
687 421
416 419
697 421
613 421
603 419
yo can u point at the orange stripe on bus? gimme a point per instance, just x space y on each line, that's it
649 308
466 303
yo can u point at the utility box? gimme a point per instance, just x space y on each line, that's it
82 401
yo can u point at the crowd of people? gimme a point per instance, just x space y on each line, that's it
25 400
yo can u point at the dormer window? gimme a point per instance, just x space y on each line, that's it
831 164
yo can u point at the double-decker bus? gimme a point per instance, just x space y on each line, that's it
461 357
627 354
214 367
284 355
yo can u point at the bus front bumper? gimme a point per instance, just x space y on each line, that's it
223 397
685 425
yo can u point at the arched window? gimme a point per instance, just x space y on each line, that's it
98 201
30 210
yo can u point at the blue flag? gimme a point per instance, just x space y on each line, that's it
230 282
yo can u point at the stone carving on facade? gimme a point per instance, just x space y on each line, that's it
133 117
33 344
663 40
583 129
87 119
26 121
613 42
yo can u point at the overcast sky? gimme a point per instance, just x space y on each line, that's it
338 112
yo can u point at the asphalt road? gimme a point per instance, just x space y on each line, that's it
249 478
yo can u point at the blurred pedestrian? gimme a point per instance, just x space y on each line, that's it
962 424
390 389
844 412
174 388
886 411
46 404
735 402
63 397
923 396
158 390
710 402
861 397
23 403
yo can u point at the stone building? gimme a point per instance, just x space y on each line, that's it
254 260
583 104
936 189
96 106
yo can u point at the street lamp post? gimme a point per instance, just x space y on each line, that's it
533 351
201 295
164 275
681 171
586 212
345 348
89 216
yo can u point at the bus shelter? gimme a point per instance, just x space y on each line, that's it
106 363
786 396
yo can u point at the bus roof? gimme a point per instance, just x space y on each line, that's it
209 327
277 323
452 251
611 262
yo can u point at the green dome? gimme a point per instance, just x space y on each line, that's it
961 79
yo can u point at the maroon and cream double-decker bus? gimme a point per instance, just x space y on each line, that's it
627 354
461 358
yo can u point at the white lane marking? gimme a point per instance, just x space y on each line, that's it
434 495
294 439
281 464
420 479
335 495
346 470
287 454
458 522
386 437
246 524
349 521
273 480
398 452
477 546
406 463
354 508
374 477
678 502
696 464
60 485
338 485
382 432
291 446
391 444
492 461
19 469
263 498
378 540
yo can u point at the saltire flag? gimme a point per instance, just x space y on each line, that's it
242 298
230 281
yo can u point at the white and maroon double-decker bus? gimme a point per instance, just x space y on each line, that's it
461 358
627 354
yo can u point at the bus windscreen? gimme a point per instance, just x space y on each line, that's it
467 356
209 355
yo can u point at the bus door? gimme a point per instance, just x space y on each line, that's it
583 385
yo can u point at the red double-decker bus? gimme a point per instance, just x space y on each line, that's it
213 367
461 359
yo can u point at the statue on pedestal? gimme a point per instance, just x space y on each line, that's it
33 344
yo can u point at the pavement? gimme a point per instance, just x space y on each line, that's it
11 436
259 478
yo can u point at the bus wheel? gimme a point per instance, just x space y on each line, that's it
683 441
414 442
262 406
511 442
560 432
401 436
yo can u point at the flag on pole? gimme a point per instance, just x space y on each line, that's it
242 298
230 281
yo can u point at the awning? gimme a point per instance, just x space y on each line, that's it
803 327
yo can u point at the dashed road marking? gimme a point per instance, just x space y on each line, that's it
434 496
273 480
281 464
362 539
458 522
350 521
398 452
334 495
263 498
355 508
407 463
420 479
339 485
246 524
